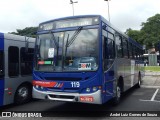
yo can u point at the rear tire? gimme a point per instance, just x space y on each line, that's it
23 94
117 98
139 81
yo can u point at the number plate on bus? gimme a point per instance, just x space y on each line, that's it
86 99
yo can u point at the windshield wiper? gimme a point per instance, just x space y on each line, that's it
69 42
54 40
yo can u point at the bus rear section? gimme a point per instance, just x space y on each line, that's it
16 56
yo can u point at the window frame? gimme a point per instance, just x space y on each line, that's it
13 59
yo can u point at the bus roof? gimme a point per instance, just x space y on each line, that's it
69 17
102 19
16 37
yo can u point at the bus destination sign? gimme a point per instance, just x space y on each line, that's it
73 23
68 23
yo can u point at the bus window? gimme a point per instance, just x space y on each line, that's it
125 50
13 59
109 53
133 51
26 60
119 47
1 64
136 53
110 35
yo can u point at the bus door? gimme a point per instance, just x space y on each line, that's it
108 67
1 76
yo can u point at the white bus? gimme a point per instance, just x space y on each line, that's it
16 55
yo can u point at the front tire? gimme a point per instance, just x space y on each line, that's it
23 94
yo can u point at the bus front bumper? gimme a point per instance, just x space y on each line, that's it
93 98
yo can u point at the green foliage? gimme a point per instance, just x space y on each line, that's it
149 34
152 68
28 31
151 30
134 34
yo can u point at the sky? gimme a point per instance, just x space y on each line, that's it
124 14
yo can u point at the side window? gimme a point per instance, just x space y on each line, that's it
108 52
1 64
133 52
136 53
142 55
111 49
26 61
130 50
119 46
13 61
125 48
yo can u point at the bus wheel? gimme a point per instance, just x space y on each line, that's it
139 81
116 99
23 94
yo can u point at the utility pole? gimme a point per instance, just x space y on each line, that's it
71 2
108 9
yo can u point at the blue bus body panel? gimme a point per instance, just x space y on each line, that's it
88 79
1 80
1 92
1 41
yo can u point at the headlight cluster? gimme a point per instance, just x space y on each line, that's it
39 87
92 89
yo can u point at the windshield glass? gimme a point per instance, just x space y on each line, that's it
67 51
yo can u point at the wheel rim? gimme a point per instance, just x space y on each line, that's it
23 92
118 92
139 81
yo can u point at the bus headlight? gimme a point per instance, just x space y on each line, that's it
94 89
41 87
88 89
37 86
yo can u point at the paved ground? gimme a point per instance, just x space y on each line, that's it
151 79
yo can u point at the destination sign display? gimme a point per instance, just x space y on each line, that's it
73 23
68 23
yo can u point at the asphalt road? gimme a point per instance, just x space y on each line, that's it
135 100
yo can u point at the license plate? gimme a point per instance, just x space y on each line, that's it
86 98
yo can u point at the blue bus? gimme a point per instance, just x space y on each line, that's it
16 58
84 59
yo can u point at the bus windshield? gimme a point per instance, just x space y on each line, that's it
75 50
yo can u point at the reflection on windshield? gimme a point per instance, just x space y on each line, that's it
74 51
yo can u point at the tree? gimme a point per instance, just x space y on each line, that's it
134 34
149 34
150 31
28 31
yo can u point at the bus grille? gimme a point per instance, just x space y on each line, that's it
62 96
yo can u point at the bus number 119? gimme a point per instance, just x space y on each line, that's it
75 84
